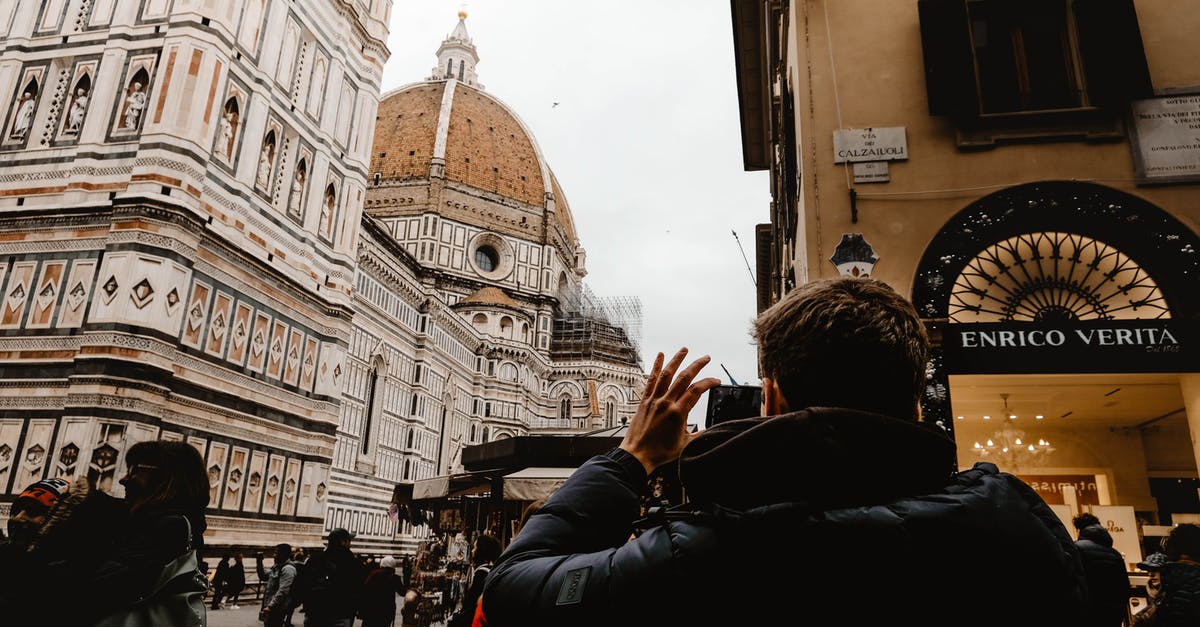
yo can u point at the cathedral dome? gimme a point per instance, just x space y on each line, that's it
449 127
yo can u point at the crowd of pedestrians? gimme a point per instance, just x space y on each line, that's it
838 505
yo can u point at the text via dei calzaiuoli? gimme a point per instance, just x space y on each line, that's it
1151 339
857 145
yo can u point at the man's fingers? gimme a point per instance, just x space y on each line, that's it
697 389
652 378
685 377
664 382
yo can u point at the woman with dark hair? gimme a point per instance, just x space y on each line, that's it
166 488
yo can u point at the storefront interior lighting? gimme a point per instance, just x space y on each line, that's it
1009 443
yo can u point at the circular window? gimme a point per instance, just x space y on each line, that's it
491 256
486 258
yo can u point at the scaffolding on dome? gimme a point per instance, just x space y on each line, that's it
592 327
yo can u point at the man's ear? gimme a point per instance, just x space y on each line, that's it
773 402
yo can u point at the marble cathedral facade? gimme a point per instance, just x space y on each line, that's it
184 254
181 183
472 319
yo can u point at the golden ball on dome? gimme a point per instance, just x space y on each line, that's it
462 15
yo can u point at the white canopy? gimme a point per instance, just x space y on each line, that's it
534 483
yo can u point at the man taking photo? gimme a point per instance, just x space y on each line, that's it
837 506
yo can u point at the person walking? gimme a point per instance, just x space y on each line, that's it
1104 567
220 581
277 601
382 586
840 505
331 583
235 581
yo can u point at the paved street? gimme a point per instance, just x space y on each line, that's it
247 616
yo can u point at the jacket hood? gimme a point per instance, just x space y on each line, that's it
1096 534
822 456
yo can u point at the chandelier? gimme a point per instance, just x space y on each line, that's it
1011 444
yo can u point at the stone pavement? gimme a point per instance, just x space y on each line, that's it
247 616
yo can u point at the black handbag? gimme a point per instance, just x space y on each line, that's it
176 599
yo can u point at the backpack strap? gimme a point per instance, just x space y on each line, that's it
709 513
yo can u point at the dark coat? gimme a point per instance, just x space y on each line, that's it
150 539
1179 601
831 516
80 533
382 587
235 579
345 594
1107 577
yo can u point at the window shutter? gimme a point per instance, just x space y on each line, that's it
949 58
1110 43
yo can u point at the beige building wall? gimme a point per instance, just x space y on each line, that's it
857 64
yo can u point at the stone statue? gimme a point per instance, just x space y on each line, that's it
326 215
78 108
226 134
134 103
24 117
264 165
297 192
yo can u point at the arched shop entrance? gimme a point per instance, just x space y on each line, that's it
1065 319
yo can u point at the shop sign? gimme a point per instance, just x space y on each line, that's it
870 144
1121 523
1050 488
1091 346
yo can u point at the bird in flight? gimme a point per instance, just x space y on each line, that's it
554 105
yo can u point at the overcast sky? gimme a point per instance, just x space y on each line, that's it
645 142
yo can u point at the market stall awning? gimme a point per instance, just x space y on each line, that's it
462 484
534 483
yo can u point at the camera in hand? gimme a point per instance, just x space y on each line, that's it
733 402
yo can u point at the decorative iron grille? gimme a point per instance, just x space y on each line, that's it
1054 277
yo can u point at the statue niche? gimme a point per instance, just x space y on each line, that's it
80 96
297 194
134 102
227 128
24 108
266 160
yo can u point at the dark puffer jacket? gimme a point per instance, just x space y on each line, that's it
821 517
1107 577
1179 601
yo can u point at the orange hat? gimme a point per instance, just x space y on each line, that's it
47 492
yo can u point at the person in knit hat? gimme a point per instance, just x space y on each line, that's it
380 590
32 507
61 529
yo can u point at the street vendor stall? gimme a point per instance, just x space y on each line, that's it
499 480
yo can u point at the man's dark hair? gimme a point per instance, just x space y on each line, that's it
846 342
1086 519
487 548
1182 540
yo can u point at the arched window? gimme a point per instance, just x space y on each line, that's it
373 383
506 327
449 68
462 73
480 321
564 408
610 412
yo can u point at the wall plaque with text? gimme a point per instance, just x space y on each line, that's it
1166 138
870 144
